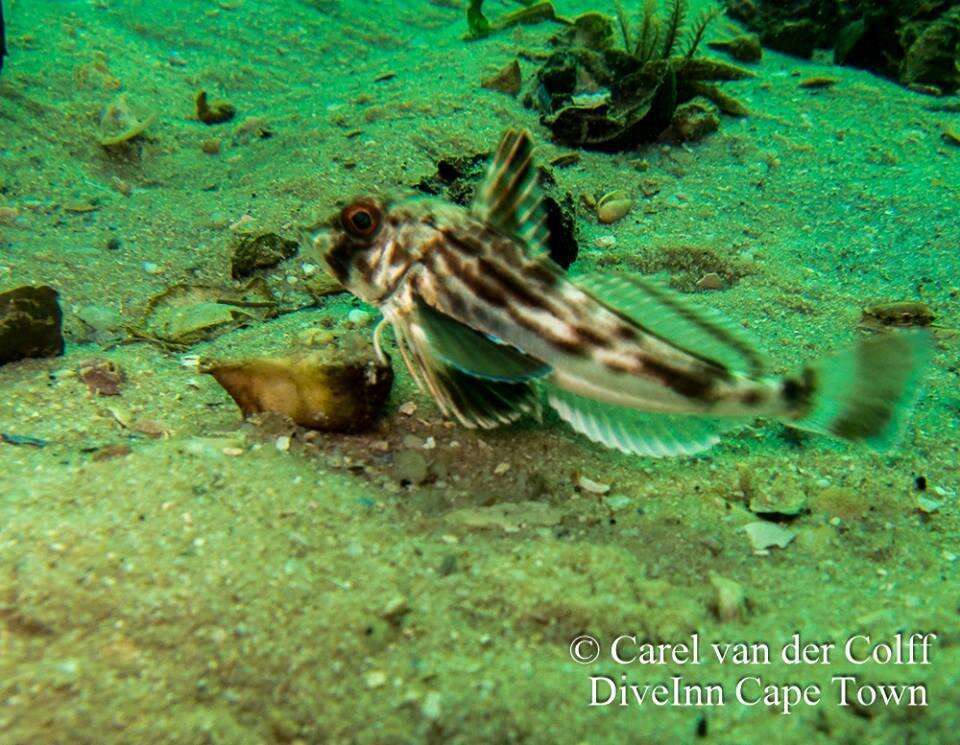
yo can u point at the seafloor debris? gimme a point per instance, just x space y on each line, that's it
185 314
693 121
593 94
505 80
102 377
254 252
340 388
532 12
743 47
30 323
917 44
766 535
901 314
730 602
213 112
509 516
457 178
613 206
119 125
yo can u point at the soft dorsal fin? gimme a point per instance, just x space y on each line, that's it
473 353
703 332
510 198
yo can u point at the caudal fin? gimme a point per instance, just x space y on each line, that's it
864 394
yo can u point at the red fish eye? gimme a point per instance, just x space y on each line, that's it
360 220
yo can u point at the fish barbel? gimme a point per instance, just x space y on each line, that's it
488 324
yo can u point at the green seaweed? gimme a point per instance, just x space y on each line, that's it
533 11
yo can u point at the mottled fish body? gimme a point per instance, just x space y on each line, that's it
485 321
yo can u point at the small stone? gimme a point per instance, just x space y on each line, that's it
694 120
710 281
375 679
396 608
591 486
358 318
283 443
730 602
613 206
605 242
252 253
431 706
407 408
506 80
410 467
501 469
152 268
764 535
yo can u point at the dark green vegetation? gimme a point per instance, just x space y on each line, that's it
915 43
596 94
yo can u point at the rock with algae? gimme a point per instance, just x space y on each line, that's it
30 323
594 94
340 387
917 44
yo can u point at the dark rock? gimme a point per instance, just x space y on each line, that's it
30 324
254 252
798 38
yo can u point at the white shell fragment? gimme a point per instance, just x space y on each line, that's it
764 535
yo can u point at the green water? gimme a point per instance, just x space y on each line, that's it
170 572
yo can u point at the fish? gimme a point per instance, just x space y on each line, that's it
490 326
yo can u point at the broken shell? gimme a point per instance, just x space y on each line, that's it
320 390
613 206
119 125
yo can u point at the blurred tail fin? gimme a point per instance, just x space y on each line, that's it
864 394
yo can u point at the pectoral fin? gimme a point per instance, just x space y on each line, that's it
484 402
473 353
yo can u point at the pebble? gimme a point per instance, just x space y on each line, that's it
613 206
358 318
501 469
151 268
710 281
375 678
407 408
283 443
605 242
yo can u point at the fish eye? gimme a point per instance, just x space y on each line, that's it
360 220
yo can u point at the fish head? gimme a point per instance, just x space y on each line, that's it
354 244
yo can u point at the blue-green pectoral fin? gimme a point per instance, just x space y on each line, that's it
473 353
637 432
464 376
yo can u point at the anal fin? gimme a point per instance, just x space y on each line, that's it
637 432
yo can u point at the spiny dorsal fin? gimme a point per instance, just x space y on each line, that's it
510 198
636 432
703 332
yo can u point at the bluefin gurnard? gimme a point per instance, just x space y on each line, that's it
490 326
